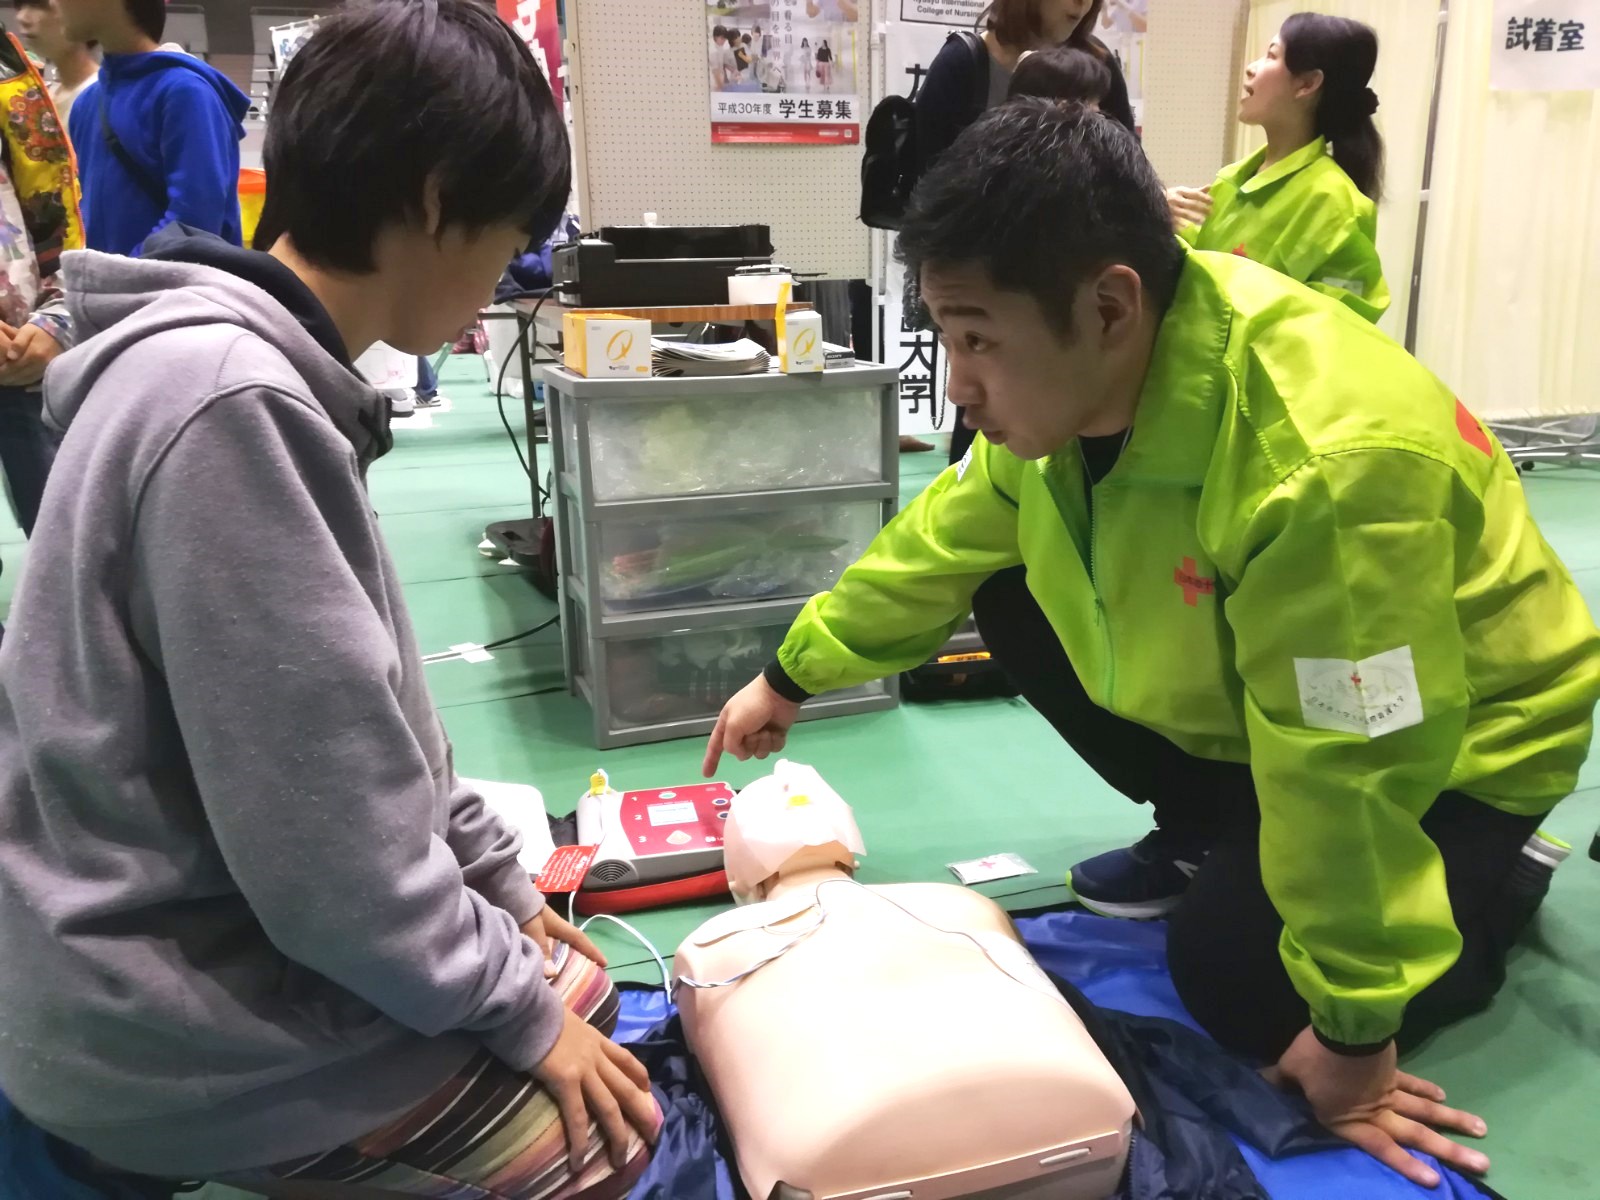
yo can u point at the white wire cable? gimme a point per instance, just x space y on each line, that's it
822 915
701 986
671 984
666 975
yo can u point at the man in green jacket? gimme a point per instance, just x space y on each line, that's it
1278 582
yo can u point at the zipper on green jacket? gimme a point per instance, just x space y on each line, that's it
1094 578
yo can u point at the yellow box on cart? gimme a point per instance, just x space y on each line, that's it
605 345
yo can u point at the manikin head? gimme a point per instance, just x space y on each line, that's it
785 823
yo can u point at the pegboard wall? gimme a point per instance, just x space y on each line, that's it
1193 63
638 72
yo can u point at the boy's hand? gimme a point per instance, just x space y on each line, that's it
30 351
587 1074
754 724
546 928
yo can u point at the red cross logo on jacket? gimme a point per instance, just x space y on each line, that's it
1194 585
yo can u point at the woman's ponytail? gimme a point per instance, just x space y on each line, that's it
1346 52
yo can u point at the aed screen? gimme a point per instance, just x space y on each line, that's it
680 813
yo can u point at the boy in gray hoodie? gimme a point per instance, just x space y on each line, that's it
253 927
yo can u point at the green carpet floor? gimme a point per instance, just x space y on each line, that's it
1530 1066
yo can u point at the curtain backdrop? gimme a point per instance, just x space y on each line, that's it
1510 307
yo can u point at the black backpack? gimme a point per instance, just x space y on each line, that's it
889 165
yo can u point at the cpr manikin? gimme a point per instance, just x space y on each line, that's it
887 1042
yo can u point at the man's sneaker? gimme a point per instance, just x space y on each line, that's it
434 400
1140 882
1536 865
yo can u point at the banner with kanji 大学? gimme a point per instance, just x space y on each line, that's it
909 48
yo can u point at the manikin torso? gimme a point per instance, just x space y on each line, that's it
881 1057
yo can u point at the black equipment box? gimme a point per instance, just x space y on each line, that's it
962 670
656 266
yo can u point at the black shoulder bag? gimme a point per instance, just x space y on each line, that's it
142 175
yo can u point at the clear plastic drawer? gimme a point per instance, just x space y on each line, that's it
684 675
719 443
649 564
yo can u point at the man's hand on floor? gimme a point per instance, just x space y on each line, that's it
28 352
1371 1103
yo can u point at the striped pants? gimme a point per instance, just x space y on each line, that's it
488 1134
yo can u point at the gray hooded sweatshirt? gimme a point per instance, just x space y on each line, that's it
247 911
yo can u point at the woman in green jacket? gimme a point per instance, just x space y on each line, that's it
1305 204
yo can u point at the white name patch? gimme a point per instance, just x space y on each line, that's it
961 467
1375 696
1354 286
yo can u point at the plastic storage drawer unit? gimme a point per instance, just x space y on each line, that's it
694 517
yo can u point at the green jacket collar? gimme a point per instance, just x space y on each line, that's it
1185 389
1251 178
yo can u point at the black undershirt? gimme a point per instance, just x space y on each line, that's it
1100 454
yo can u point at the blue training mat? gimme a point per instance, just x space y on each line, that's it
1119 965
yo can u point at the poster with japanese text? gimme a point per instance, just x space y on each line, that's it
785 72
540 27
1545 46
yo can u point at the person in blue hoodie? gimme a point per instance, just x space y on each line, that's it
157 134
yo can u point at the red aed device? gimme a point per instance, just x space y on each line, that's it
655 847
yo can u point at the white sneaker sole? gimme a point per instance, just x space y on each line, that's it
1146 910
1546 851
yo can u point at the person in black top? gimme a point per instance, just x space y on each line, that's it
947 102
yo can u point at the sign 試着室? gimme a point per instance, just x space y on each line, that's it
1545 46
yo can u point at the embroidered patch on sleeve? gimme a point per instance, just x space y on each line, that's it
1375 696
